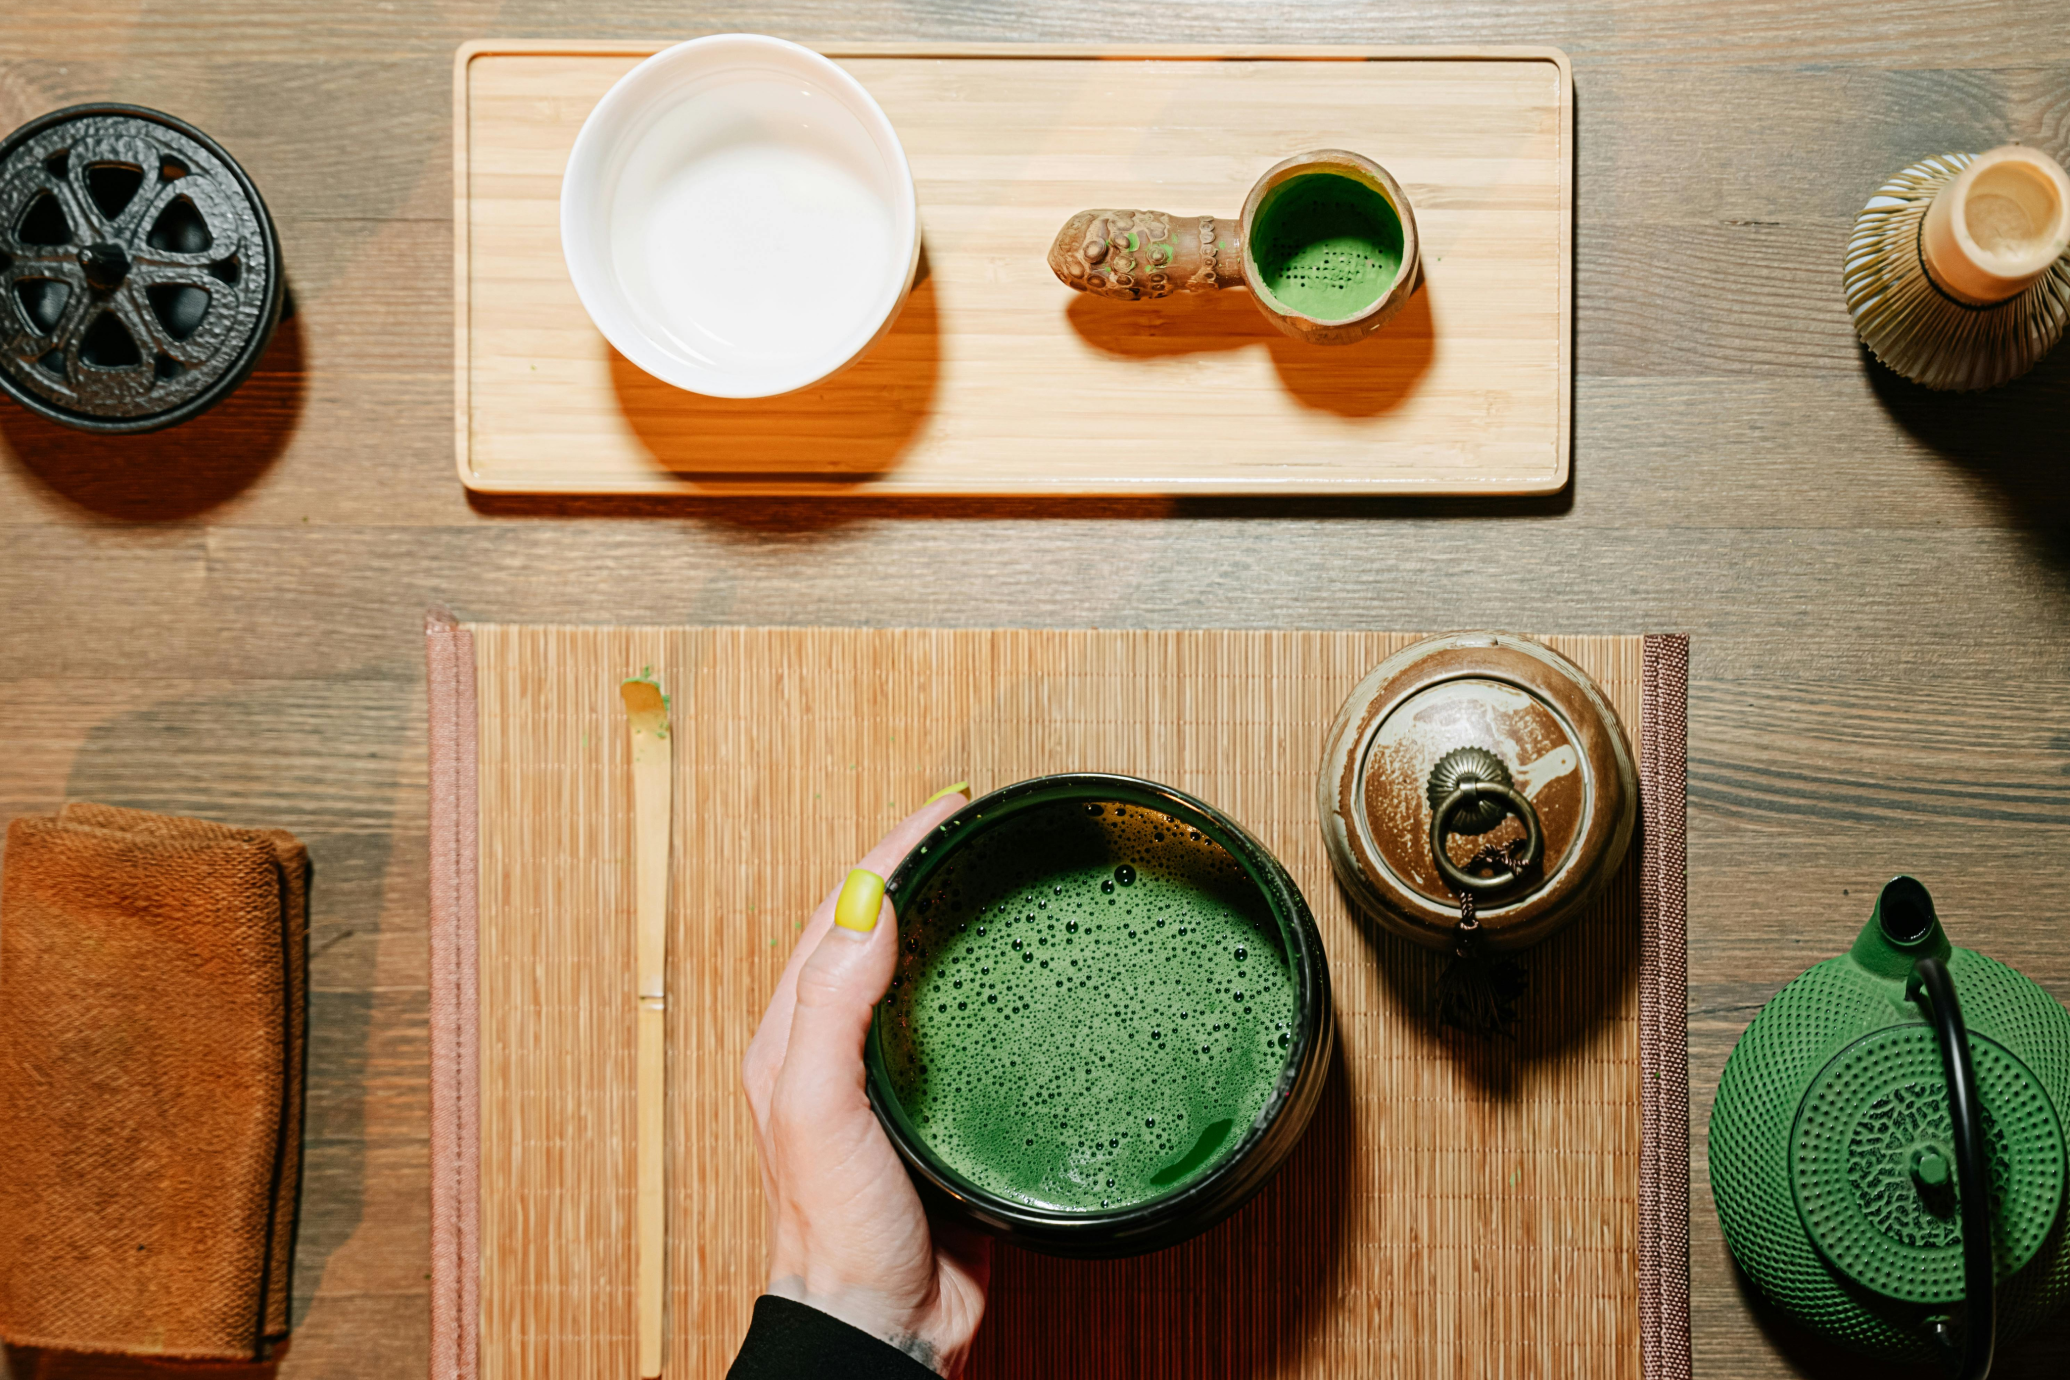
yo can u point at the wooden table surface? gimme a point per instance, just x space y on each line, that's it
224 619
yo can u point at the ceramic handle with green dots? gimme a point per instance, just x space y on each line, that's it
1134 255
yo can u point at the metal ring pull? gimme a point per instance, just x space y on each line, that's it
1468 795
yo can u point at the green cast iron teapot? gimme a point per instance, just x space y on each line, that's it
1852 1119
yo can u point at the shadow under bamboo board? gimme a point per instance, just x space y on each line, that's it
997 379
1457 1208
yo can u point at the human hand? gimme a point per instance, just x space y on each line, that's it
847 1233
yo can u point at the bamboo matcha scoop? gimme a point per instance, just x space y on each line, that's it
653 809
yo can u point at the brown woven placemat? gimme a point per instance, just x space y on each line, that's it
1457 1207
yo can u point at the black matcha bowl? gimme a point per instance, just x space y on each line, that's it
1198 1204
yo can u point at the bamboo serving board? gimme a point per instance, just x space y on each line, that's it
1457 1208
998 379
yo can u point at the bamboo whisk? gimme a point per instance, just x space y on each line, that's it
1957 275
653 809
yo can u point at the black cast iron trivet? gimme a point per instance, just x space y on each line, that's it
140 274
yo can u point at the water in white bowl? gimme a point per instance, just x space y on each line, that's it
752 224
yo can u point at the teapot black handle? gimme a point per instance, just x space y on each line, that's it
1972 1175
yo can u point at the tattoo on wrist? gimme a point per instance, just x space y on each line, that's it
861 1310
919 1348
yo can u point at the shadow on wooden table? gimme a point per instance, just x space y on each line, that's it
180 472
853 427
1375 376
805 516
36 1363
2011 437
857 425
2043 1352
1578 980
1240 1300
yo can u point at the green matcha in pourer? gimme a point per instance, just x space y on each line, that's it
1855 1119
1327 246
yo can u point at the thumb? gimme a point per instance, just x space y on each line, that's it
837 989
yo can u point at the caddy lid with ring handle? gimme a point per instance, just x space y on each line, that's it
1471 792
1479 771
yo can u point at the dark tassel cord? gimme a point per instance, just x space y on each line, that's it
1479 990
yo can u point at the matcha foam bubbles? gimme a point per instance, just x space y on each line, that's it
1092 1006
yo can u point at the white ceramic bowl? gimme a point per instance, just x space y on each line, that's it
738 217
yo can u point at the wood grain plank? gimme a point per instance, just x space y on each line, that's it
1878 604
1803 142
1964 33
1742 299
1785 754
352 144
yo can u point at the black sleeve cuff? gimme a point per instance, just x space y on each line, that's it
794 1341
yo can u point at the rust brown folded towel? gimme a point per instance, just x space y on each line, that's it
294 870
152 1028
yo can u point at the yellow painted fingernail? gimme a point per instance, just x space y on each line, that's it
961 788
862 896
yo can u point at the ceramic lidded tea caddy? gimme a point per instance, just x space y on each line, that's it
1851 1121
1476 784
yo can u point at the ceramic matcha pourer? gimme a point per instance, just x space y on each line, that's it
1326 244
1852 1120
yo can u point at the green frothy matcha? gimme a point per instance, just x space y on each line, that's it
1092 1006
1327 246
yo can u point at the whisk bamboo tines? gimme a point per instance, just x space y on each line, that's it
1957 276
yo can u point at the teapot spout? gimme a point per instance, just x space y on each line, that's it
1902 929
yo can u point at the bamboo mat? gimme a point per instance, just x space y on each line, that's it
1457 1208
